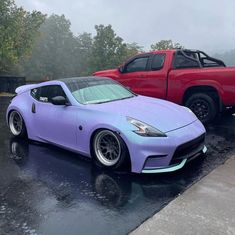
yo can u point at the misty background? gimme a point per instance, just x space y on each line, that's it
45 39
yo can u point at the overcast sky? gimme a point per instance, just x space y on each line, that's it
198 24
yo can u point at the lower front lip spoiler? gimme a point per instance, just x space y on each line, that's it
170 168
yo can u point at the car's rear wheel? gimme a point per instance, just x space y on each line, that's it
109 149
16 124
203 105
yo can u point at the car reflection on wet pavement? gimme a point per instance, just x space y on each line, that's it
47 190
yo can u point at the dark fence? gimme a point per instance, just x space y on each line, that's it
10 83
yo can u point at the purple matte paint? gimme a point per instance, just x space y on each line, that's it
59 125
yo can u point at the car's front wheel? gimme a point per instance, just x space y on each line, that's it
16 124
109 149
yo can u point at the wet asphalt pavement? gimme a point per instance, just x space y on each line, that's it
46 190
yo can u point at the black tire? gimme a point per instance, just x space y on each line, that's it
21 132
100 158
203 105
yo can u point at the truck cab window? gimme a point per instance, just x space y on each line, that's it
158 62
138 64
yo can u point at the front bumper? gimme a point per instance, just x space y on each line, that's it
153 154
174 167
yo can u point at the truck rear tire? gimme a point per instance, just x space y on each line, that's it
204 106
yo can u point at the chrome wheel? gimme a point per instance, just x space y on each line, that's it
15 123
107 148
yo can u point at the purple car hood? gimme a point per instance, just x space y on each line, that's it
161 114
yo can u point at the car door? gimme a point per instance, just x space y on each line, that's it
134 73
54 123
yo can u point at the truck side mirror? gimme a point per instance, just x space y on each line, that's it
121 69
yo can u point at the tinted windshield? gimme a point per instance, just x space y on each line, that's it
100 91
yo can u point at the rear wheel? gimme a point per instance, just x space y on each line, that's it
203 105
109 149
16 124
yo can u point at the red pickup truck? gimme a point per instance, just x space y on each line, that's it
186 77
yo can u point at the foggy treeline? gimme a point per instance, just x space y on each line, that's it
43 47
228 57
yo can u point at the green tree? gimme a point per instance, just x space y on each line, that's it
131 50
83 54
18 31
165 44
109 50
58 53
55 54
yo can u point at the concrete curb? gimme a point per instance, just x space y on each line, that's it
208 207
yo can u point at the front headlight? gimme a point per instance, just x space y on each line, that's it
145 129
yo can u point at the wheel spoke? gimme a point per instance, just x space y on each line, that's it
108 149
15 123
200 108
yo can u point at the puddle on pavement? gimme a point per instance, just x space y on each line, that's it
47 190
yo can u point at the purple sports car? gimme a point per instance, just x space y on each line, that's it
101 119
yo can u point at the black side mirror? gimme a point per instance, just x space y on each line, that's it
121 69
59 100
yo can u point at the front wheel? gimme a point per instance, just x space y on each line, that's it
203 105
16 124
109 149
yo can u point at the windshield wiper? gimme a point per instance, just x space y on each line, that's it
101 102
124 98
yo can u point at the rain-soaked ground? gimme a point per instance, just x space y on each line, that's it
46 190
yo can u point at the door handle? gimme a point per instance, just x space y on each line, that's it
33 108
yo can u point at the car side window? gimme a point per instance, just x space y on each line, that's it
46 93
35 93
54 91
138 64
158 62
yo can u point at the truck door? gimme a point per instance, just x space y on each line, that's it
134 73
156 76
144 75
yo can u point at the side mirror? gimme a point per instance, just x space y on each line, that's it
59 100
121 69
